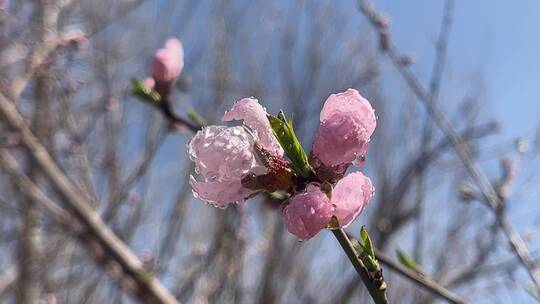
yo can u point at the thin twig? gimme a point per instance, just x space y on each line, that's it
7 277
148 288
490 196
421 280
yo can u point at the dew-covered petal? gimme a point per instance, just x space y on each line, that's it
222 153
350 102
254 116
347 123
220 193
339 140
350 197
307 212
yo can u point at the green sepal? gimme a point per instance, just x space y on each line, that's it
367 242
284 133
407 261
365 251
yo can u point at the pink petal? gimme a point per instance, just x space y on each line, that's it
307 213
350 197
254 116
175 48
168 62
220 193
339 140
350 102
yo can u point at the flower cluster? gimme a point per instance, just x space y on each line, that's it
235 163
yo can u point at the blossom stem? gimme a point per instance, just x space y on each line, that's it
375 286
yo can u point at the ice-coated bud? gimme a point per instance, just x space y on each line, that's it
168 61
310 211
347 123
222 155
236 162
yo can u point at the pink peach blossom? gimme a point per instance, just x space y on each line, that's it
223 155
347 123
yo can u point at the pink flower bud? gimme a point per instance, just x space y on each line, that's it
147 256
347 123
168 61
73 147
112 104
75 37
308 212
383 22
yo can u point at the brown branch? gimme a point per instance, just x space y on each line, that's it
147 288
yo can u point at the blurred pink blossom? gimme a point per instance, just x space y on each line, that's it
168 61
223 155
310 211
112 104
49 298
149 82
147 256
73 147
76 38
347 123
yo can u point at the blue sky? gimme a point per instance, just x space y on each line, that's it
495 38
